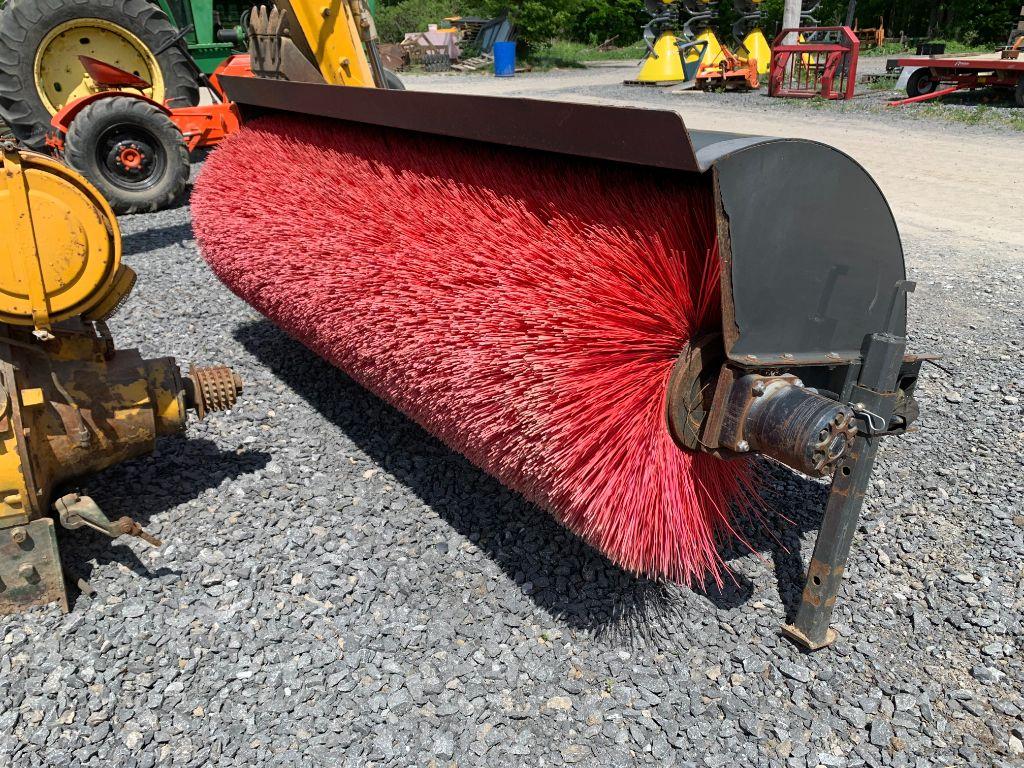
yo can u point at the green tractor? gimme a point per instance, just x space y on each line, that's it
41 40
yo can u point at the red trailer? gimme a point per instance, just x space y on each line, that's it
1003 69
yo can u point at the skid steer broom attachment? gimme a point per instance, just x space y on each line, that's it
616 309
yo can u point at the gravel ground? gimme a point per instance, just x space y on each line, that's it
338 589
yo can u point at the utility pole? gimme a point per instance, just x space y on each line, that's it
851 13
791 18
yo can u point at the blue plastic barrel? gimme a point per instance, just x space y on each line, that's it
505 59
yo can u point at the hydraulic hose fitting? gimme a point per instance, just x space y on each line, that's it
796 426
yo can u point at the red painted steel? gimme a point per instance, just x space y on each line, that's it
202 126
963 73
953 66
208 125
809 67
108 76
924 97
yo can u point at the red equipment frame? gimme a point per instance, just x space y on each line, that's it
805 69
202 126
964 73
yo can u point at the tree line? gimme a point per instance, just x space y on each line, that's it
969 21
595 21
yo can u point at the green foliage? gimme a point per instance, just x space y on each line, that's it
567 54
595 21
952 47
973 22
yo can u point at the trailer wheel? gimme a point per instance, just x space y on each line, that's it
132 153
1019 93
921 83
41 40
393 81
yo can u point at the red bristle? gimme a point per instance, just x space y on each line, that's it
525 308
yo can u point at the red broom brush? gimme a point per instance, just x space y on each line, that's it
525 308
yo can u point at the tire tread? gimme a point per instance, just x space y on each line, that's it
79 148
22 21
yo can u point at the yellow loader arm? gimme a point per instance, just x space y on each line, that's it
336 37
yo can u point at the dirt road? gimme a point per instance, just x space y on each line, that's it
963 184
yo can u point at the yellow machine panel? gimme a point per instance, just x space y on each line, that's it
665 64
71 404
712 55
333 35
756 46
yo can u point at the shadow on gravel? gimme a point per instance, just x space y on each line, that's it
157 237
179 472
558 571
795 508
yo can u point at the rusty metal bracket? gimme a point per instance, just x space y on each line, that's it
717 409
77 511
30 571
273 53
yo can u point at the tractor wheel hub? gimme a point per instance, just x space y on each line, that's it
130 158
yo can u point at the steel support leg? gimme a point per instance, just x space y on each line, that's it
874 400
831 551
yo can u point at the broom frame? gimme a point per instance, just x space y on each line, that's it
807 242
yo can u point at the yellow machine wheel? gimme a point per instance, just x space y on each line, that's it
48 208
41 40
59 75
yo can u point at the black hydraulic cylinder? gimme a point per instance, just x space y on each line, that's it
799 428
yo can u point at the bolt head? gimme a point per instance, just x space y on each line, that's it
29 573
19 535
742 446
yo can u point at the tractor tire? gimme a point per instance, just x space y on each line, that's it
131 152
921 83
393 81
1018 94
37 39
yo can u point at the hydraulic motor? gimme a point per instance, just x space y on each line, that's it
71 404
